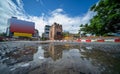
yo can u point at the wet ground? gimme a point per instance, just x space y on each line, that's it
59 58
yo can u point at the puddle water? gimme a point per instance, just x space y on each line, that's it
59 59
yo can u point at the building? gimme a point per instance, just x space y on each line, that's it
54 52
36 33
20 28
46 31
55 32
70 36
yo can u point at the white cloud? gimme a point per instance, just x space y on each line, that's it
87 16
57 11
39 23
69 23
8 9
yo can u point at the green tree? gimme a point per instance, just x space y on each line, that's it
107 18
3 34
65 34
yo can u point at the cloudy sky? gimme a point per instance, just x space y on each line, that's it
69 13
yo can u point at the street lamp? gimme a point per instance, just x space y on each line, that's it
80 31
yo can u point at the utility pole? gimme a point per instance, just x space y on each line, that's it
80 31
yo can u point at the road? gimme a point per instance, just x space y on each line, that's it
36 57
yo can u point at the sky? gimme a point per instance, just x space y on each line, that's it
69 13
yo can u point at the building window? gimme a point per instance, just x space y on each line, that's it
47 32
58 33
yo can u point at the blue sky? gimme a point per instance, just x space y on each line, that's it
69 13
71 7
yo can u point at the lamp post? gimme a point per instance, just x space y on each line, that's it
80 31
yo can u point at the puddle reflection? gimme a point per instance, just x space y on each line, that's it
59 59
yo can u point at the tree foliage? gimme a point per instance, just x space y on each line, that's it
66 34
3 34
107 18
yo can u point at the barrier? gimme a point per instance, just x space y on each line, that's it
100 40
117 40
88 40
79 40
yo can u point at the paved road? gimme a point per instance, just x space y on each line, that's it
36 57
